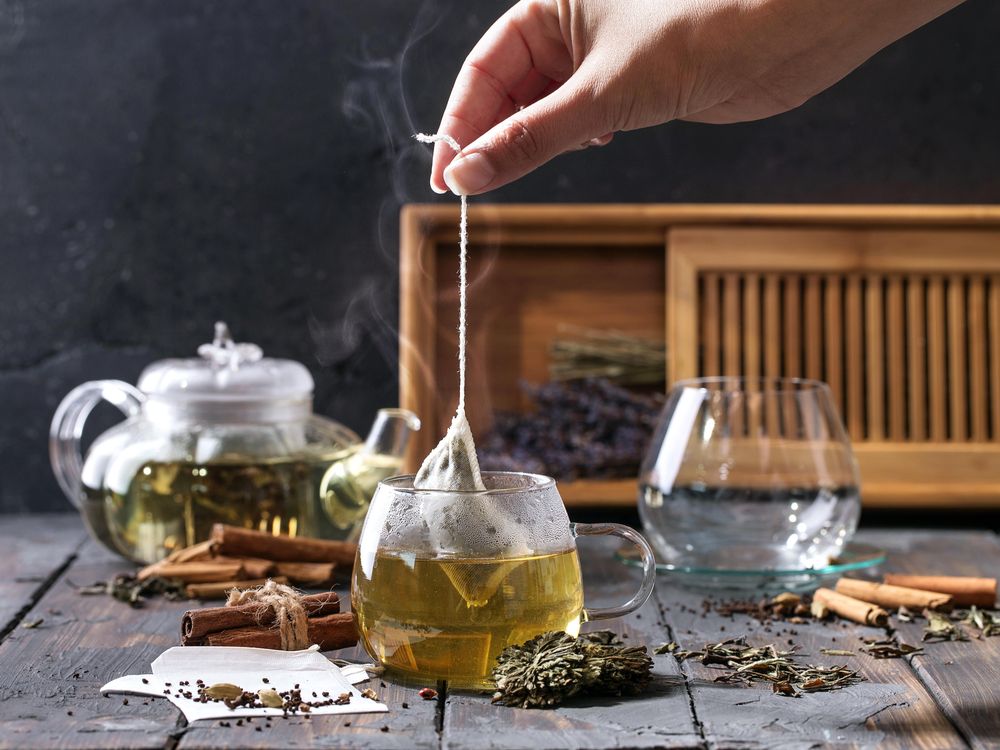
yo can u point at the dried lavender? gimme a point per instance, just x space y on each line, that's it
748 664
552 667
579 429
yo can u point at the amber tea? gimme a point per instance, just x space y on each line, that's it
173 504
449 618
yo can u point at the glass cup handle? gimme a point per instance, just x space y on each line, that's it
67 427
648 567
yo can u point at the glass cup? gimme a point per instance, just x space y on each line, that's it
749 474
444 581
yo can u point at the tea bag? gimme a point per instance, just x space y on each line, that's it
470 525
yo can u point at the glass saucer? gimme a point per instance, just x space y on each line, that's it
854 557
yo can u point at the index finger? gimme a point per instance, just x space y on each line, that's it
516 61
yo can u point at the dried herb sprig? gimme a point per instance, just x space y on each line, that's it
748 664
129 589
554 666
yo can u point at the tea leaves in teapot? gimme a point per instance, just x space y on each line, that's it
552 667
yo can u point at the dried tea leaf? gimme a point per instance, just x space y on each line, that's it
986 623
129 589
222 691
32 624
905 615
940 628
549 668
666 648
836 652
890 648
269 697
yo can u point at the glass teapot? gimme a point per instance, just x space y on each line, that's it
227 437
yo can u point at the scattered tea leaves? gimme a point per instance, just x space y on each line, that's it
748 664
889 648
129 589
549 668
985 622
940 628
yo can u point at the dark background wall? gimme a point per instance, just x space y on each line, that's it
167 164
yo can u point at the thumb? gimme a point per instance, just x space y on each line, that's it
527 139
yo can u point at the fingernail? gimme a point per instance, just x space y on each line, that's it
468 174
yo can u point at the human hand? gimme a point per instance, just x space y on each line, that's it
557 75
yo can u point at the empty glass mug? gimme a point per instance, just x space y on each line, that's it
444 581
749 474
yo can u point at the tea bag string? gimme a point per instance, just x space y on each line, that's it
463 242
289 614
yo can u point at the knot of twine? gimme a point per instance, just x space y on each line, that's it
286 604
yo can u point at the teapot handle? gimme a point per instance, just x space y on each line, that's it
67 427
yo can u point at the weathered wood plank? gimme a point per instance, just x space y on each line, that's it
962 676
35 549
891 709
50 676
85 641
661 718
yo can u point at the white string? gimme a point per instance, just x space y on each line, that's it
463 241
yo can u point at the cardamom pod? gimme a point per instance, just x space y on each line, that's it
270 698
222 691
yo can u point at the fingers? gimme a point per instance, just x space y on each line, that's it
559 122
520 59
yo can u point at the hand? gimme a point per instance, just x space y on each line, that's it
556 75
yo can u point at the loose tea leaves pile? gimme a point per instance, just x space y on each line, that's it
133 591
552 667
748 664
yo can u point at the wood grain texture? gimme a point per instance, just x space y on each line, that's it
960 675
34 551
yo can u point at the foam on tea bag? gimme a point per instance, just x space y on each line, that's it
465 526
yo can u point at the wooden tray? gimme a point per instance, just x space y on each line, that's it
533 268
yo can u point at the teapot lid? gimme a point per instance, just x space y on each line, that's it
228 373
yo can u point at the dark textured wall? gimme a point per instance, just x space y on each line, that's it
167 164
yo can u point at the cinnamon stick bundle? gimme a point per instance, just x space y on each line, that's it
198 624
220 589
232 541
330 632
892 597
855 610
964 590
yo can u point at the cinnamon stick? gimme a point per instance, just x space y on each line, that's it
851 609
198 623
964 590
892 597
200 571
306 574
253 567
200 551
330 632
233 541
219 589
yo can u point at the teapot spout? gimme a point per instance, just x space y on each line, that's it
391 432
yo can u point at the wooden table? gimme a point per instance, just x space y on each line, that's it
50 674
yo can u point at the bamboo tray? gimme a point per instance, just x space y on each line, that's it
897 307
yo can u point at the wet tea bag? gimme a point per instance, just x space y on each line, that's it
468 526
